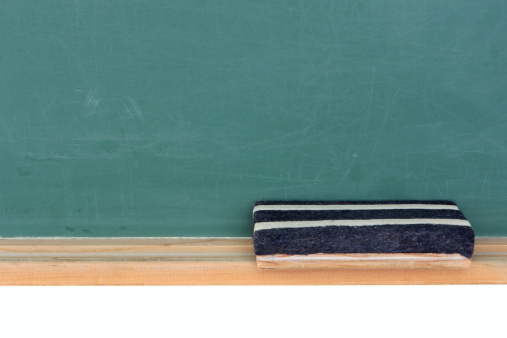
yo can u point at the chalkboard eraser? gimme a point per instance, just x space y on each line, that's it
365 234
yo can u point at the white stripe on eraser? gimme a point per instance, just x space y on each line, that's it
354 207
359 222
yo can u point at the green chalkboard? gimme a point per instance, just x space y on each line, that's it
170 118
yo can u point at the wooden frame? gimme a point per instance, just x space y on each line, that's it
206 261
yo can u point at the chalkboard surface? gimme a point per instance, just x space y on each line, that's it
170 118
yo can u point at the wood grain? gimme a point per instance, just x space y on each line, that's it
207 261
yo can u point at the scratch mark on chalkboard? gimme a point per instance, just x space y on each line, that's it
497 29
136 108
485 180
370 100
382 126
2 205
92 100
43 109
7 130
96 206
438 189
127 109
349 167
134 157
72 53
281 137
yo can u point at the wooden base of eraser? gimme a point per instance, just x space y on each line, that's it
365 261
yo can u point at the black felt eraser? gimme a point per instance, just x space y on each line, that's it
290 234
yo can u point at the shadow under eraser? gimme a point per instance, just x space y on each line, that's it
361 234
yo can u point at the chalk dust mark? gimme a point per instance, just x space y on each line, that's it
109 146
33 157
23 172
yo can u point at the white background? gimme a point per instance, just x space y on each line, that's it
259 311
